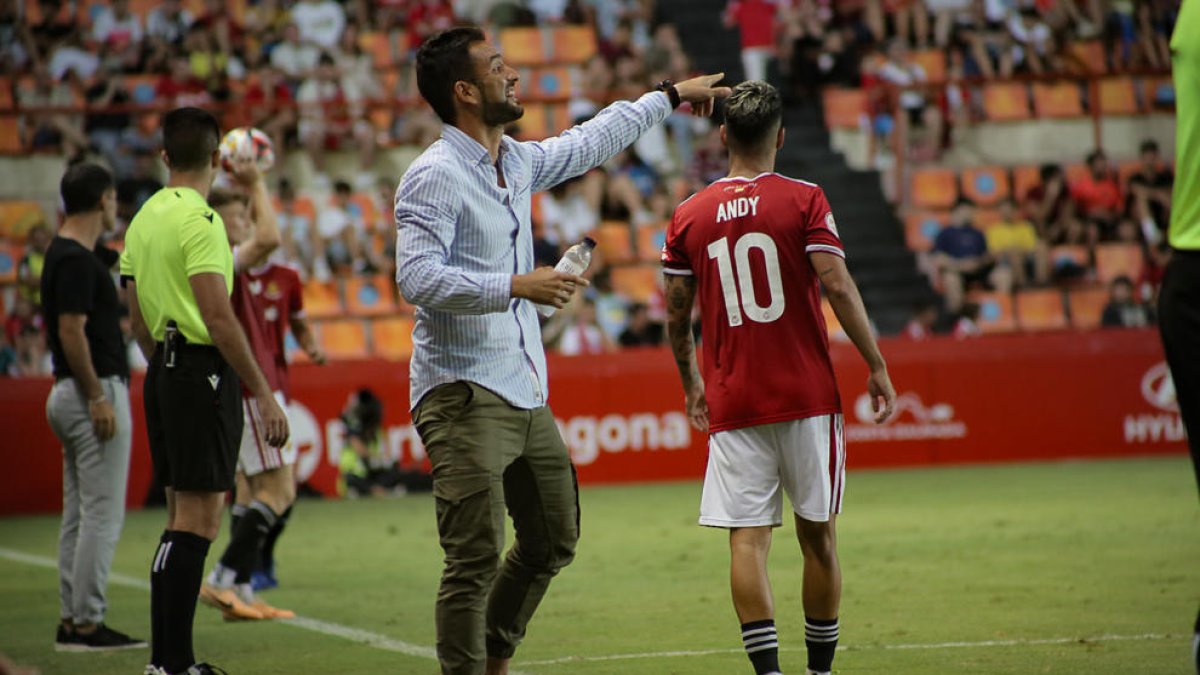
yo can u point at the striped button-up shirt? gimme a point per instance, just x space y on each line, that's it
461 237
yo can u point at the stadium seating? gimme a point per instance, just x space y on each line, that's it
637 282
1041 309
542 120
321 299
379 46
612 240
921 229
555 82
573 44
17 216
1006 101
934 188
1024 179
832 325
391 338
1116 96
343 339
10 256
370 296
1117 260
650 242
523 46
995 311
1090 54
933 62
1070 255
1087 306
1057 100
985 185
844 108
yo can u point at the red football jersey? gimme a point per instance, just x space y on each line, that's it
265 299
765 347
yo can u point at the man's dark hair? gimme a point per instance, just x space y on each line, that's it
190 137
83 186
1149 145
342 188
753 113
442 61
219 197
1122 280
1095 155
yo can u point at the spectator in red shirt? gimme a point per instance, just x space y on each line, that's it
756 19
426 17
180 88
1098 195
267 103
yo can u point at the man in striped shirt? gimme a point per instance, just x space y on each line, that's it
464 257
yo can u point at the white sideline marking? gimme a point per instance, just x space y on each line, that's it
399 646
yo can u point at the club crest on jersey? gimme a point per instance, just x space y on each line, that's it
273 292
256 287
737 208
829 222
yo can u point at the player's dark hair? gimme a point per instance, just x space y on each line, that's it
442 61
83 187
190 137
219 197
753 114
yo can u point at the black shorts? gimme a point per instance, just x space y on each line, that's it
194 420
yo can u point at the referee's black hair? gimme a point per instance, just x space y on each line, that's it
83 186
753 114
190 137
443 61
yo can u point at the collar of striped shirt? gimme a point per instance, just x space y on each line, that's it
461 237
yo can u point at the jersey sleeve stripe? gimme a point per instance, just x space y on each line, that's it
821 248
677 272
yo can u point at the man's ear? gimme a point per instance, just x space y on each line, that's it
724 141
216 159
466 92
165 160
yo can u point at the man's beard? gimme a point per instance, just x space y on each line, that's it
499 113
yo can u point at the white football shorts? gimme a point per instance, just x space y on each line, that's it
750 468
256 455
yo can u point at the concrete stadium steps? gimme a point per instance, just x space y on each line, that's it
713 48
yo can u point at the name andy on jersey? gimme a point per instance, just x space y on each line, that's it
737 208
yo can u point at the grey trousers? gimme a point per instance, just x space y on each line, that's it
94 478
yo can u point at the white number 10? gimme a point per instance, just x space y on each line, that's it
719 251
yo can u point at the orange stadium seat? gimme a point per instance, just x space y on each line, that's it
542 120
1025 178
574 44
832 325
1057 100
1006 101
391 338
1159 92
17 216
650 242
1116 260
1089 54
844 108
550 82
321 299
10 257
933 62
921 229
636 282
10 135
370 296
1075 172
1087 306
379 46
1041 309
343 339
934 188
1116 96
985 185
523 46
1064 255
995 311
362 204
305 207
985 218
6 93
613 241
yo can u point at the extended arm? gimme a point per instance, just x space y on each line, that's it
848 306
307 339
266 225
79 358
681 293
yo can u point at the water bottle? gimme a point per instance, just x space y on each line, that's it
574 261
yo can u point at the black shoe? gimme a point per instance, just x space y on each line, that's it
204 669
63 638
101 639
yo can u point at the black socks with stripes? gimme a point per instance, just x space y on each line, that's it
762 646
821 638
174 586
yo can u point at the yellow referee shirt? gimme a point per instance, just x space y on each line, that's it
1185 204
174 236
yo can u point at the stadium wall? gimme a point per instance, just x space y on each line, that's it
994 399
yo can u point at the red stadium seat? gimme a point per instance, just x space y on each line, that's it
1006 101
921 229
934 188
844 108
1041 309
321 299
370 296
391 338
343 339
523 46
574 44
636 282
1116 96
995 311
1057 100
1117 260
613 242
1087 306
985 185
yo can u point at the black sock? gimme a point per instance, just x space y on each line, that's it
821 637
235 516
762 645
156 598
182 569
268 550
241 555
1196 645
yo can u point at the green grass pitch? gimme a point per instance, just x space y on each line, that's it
1004 569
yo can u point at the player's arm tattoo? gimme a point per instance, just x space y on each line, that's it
681 293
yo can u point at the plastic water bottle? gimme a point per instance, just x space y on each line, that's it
574 261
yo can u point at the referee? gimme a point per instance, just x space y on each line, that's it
88 408
1179 299
178 271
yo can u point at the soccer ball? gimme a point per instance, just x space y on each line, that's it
247 142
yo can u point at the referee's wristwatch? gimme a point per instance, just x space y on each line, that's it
668 87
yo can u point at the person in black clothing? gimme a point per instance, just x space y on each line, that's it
1149 193
88 408
641 332
1123 309
133 191
104 129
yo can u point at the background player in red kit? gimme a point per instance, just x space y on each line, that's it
754 246
264 299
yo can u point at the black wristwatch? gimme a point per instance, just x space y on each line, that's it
668 87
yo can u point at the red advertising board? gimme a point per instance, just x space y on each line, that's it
993 399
